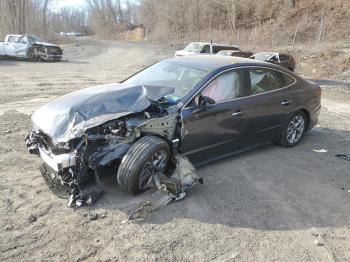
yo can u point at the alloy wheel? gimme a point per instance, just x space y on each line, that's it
295 129
158 163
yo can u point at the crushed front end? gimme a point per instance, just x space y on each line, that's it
85 135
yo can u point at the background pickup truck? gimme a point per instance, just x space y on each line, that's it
29 47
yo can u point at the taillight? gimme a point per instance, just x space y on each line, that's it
318 90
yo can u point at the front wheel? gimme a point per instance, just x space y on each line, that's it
294 130
147 155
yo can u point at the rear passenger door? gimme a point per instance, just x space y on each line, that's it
270 103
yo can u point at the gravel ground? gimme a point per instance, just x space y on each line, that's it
270 204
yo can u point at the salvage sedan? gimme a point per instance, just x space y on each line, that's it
201 107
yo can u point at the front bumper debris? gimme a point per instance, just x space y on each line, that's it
171 188
57 162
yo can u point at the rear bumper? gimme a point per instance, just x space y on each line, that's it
314 117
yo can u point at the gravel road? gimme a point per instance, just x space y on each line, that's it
271 204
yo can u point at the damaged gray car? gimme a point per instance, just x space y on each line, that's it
200 108
29 47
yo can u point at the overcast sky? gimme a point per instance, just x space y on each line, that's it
57 4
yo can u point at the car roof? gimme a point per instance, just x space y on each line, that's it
211 62
214 44
266 53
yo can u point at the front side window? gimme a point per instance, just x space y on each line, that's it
284 57
206 49
225 87
33 39
265 80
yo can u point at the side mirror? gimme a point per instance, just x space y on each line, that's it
203 102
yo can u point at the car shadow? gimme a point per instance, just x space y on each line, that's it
270 188
4 62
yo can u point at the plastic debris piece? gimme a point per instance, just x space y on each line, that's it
32 219
171 188
323 150
92 216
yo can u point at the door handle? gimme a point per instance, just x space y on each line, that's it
240 112
286 103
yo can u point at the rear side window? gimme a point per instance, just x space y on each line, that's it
284 57
225 87
264 80
13 39
206 49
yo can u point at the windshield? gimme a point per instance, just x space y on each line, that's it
194 47
182 78
33 39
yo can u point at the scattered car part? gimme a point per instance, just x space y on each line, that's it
323 150
171 188
343 157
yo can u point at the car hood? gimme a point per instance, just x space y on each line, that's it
185 53
44 44
69 116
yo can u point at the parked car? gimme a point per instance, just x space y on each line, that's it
29 47
200 48
236 53
202 107
284 60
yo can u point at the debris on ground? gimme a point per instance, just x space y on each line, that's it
318 242
32 219
82 198
171 188
323 150
343 157
92 216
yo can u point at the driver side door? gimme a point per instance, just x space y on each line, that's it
210 132
21 47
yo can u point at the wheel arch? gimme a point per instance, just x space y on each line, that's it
307 114
166 139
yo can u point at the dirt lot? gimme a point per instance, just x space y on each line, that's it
268 204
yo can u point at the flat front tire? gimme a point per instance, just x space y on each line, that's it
147 155
294 130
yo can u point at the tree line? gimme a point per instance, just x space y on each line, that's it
167 19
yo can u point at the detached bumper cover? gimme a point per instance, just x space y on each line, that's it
57 162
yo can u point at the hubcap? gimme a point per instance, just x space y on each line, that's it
157 162
295 129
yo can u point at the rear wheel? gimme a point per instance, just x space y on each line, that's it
147 155
294 130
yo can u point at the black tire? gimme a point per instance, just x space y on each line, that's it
52 181
137 159
30 54
285 139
